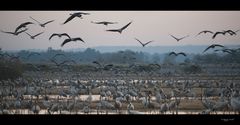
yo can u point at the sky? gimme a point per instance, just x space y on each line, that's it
146 26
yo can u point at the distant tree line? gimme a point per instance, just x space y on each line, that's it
126 57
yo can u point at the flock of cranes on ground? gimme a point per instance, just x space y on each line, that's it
61 93
20 29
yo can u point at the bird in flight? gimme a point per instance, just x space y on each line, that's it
42 24
61 63
33 53
204 31
12 57
71 39
34 66
230 32
104 22
155 64
23 25
15 33
176 54
59 35
96 62
33 37
178 39
143 44
58 54
121 29
230 51
215 34
103 66
212 46
73 15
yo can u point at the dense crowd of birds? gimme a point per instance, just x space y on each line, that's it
66 93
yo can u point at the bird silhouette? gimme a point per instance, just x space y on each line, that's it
104 22
33 53
79 14
230 51
71 39
178 39
23 25
96 62
121 29
33 37
215 34
34 66
212 46
176 54
143 44
42 24
15 33
58 54
230 32
59 35
155 64
12 57
204 31
61 63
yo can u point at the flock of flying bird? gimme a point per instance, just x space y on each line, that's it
23 28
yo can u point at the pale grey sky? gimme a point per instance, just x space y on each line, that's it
146 26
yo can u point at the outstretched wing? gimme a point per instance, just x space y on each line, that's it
112 22
78 38
54 34
59 54
38 34
211 46
21 31
23 25
97 22
33 53
28 34
35 20
69 18
181 53
113 30
48 22
65 41
174 37
155 64
172 53
184 37
217 34
59 35
96 62
214 45
7 32
205 31
54 61
64 34
208 31
79 13
148 42
139 41
126 26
